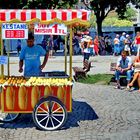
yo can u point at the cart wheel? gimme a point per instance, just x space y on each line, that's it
49 114
8 117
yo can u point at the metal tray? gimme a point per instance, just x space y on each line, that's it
54 74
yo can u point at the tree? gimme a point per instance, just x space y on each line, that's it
10 4
102 8
113 20
46 4
130 14
136 3
37 4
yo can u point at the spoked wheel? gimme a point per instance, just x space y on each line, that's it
8 117
49 114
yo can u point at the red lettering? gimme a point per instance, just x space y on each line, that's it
63 32
40 31
59 30
39 25
42 25
50 30
55 28
37 30
14 33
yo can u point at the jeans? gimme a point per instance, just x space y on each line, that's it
121 47
116 48
91 51
86 56
127 73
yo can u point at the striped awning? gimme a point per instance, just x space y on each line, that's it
70 16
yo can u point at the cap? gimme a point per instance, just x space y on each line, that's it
127 35
88 37
123 33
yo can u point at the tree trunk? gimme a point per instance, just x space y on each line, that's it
99 28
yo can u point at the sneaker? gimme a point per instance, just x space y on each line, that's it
118 87
128 88
132 89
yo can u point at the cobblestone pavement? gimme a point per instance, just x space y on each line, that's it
99 113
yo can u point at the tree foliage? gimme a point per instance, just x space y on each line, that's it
101 9
37 4
114 21
9 4
136 3
130 14
46 4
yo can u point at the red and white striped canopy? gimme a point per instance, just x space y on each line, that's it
44 15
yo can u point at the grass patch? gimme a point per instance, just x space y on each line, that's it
102 79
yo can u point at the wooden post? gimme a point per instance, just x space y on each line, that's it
2 66
66 54
8 54
70 69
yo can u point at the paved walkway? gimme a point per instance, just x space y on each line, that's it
99 113
101 64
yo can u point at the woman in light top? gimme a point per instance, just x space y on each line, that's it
116 45
136 70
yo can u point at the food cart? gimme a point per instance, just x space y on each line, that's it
48 97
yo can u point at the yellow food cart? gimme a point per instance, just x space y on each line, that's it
48 98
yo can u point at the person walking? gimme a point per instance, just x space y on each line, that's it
108 45
116 45
127 43
122 41
86 50
96 45
137 40
18 46
91 47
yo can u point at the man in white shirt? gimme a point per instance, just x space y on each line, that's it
124 67
122 39
116 45
127 43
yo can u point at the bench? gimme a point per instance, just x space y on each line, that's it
123 80
81 72
113 66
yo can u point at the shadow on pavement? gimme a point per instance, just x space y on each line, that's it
81 111
24 121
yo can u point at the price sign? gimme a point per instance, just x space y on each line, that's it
14 31
54 29
3 59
